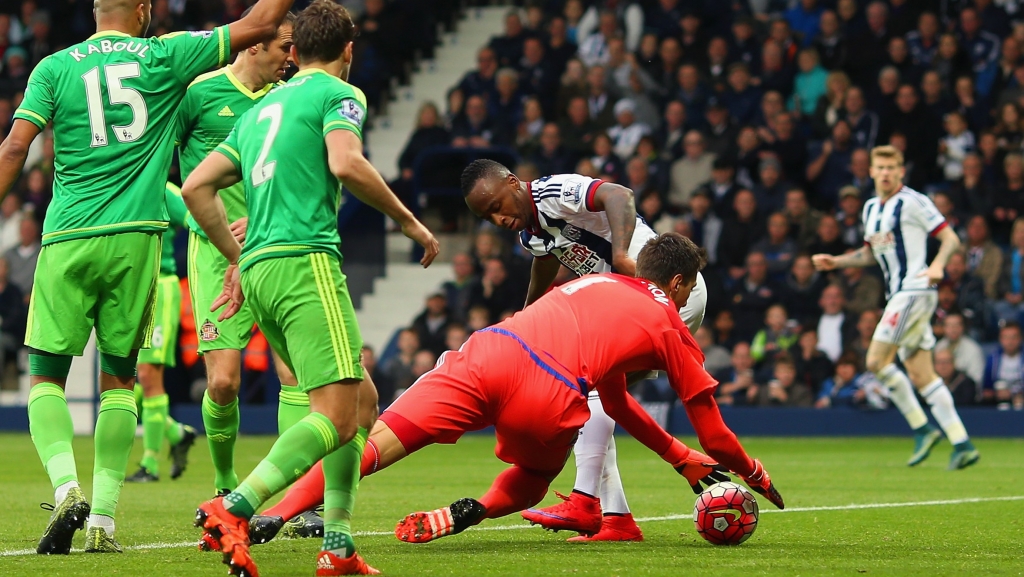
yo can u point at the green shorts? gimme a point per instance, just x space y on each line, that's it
206 268
166 321
106 282
303 308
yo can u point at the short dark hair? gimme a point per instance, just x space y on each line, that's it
480 169
322 31
667 255
1014 325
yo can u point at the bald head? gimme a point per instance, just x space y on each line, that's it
131 16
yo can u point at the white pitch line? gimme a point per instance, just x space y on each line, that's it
852 507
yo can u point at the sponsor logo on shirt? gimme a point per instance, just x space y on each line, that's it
201 33
882 240
579 259
352 111
208 331
225 112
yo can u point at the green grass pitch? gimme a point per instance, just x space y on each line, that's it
963 531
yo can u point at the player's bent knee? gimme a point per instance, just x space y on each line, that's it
43 364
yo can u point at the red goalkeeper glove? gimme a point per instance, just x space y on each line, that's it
762 483
695 466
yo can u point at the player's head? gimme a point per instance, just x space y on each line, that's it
134 14
672 262
887 169
323 34
496 195
271 59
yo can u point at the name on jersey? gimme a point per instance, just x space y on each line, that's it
579 259
882 240
108 47
658 294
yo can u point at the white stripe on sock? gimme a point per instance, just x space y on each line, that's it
941 402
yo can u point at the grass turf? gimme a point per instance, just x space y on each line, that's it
971 538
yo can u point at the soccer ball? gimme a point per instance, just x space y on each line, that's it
725 514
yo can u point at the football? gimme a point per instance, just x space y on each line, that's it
725 514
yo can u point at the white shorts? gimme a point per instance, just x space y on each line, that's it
907 322
692 312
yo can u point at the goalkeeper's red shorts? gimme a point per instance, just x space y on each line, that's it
495 379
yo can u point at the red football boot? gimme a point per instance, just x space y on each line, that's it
614 528
577 512
230 532
330 565
426 526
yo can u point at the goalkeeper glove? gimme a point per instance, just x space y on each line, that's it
695 466
762 483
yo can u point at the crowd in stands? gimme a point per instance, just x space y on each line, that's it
747 126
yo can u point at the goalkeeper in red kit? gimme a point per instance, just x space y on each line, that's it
529 376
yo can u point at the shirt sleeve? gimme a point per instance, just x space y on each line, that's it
175 205
924 213
566 195
230 149
346 110
626 411
685 368
193 53
534 245
185 118
37 106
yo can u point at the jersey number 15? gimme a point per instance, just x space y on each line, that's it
118 94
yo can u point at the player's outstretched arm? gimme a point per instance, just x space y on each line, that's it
618 204
347 163
859 258
950 244
13 152
542 275
258 25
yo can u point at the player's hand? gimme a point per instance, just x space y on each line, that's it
699 468
762 483
934 273
824 262
239 228
231 295
625 266
415 230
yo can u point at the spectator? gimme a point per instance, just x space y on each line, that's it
934 99
599 101
783 390
871 44
1010 306
776 75
475 128
455 336
955 145
950 61
911 117
705 226
576 129
982 46
11 216
456 291
830 168
506 109
777 336
1008 201
690 91
626 133
803 220
716 357
851 228
991 158
967 353
669 137
560 49
605 161
861 291
984 259
481 82
972 194
801 291
923 43
647 110
537 75
780 33
1009 128
736 383
396 372
947 209
771 189
901 66
828 239
744 46
479 317
716 66
752 296
719 128
969 292
594 48
496 291
573 13
724 327
831 43
739 232
1009 59
508 48
848 388
805 20
422 362
741 97
866 324
650 208
722 187
812 366
13 313
428 132
963 388
431 325
778 249
788 145
1004 371
667 71
572 84
21 260
860 172
531 124
835 327
863 122
690 171
970 104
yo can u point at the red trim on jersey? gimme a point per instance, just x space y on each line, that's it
535 228
938 229
588 200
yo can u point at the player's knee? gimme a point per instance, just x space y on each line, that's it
223 386
875 364
346 428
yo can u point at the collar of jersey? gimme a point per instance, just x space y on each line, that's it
242 87
308 71
102 33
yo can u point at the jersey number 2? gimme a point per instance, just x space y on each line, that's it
264 171
118 94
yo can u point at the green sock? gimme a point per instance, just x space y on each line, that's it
221 423
173 430
341 481
292 407
49 421
115 434
295 451
154 422
139 397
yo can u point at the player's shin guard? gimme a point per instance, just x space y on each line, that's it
613 498
341 474
115 433
515 489
304 495
941 402
902 395
154 427
221 424
50 423
292 407
592 449
310 440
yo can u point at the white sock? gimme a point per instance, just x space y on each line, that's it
902 395
941 402
613 498
61 492
592 448
103 521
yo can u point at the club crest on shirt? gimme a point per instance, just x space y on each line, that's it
208 331
882 240
573 193
571 233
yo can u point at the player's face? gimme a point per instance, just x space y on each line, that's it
501 202
144 15
681 289
888 176
275 57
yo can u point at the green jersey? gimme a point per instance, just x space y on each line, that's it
112 100
177 212
279 149
212 105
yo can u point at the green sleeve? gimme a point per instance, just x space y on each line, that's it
345 110
192 53
175 205
230 149
37 106
186 117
